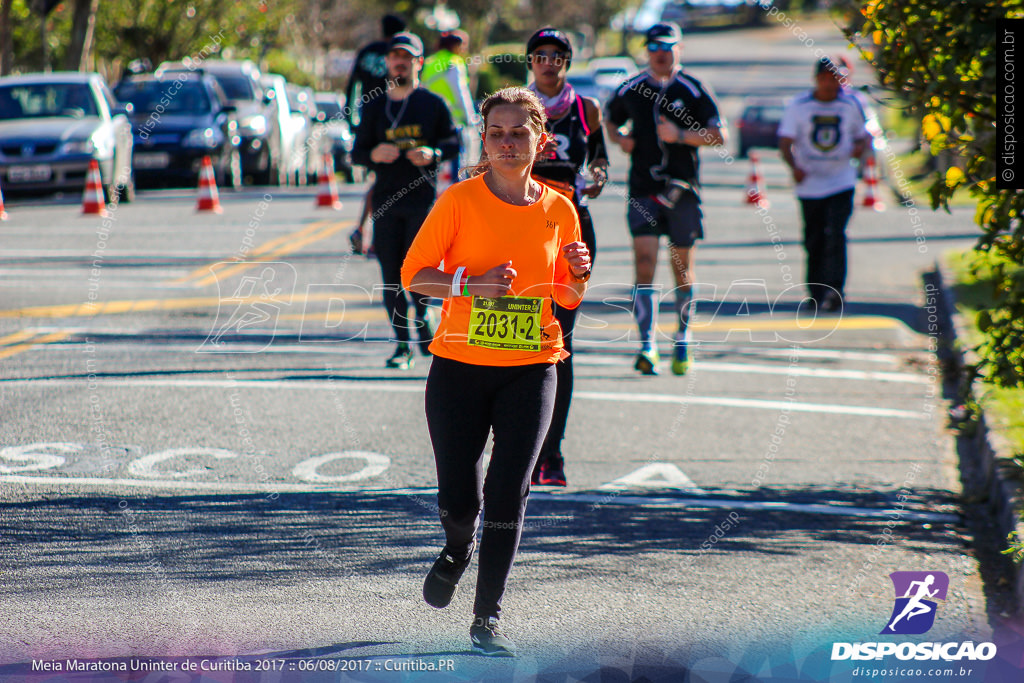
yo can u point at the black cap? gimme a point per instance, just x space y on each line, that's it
667 32
548 36
409 42
391 24
837 68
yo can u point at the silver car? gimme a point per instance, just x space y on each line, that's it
53 124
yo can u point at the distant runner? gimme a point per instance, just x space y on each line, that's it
576 139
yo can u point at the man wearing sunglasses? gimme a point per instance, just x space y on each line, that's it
671 115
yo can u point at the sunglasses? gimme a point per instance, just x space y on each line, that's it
556 58
659 47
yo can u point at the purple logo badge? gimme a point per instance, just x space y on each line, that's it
916 594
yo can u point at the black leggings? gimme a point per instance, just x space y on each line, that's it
464 403
393 233
551 450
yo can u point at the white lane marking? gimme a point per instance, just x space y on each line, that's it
143 467
840 354
222 486
771 506
87 254
596 500
755 403
375 464
384 387
752 368
663 475
37 460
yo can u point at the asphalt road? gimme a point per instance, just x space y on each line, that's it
203 455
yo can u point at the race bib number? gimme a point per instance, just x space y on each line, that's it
511 323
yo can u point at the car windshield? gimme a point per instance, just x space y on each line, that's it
47 99
237 87
172 96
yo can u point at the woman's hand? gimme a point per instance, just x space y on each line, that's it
495 282
578 257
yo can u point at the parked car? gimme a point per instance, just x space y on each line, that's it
759 125
52 125
610 72
258 125
584 84
330 119
178 118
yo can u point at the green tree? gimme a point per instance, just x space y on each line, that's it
940 58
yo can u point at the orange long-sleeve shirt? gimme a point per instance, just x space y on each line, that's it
469 226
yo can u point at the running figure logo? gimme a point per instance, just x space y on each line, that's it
250 314
916 594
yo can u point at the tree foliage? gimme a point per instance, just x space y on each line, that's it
940 58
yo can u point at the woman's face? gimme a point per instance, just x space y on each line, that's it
509 140
548 64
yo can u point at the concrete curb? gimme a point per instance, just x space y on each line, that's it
990 478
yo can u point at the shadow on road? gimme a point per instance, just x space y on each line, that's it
78 541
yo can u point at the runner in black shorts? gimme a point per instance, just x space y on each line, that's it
672 115
577 139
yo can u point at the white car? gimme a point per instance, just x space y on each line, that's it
52 125
292 130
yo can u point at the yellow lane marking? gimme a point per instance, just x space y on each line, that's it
328 230
90 309
9 351
203 272
20 335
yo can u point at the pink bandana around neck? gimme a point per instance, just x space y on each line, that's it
558 106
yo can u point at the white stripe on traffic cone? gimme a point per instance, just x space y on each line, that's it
871 201
92 198
208 197
755 187
327 193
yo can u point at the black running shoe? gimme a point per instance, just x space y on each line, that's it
552 473
401 358
489 640
443 578
831 302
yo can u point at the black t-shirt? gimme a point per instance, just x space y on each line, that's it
682 100
420 120
575 143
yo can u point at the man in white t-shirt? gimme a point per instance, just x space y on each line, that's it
821 133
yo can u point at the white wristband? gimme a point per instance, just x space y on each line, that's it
457 281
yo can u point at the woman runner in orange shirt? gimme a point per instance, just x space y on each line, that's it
499 248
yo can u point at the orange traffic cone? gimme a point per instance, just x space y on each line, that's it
327 194
208 198
871 185
3 213
92 198
755 186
